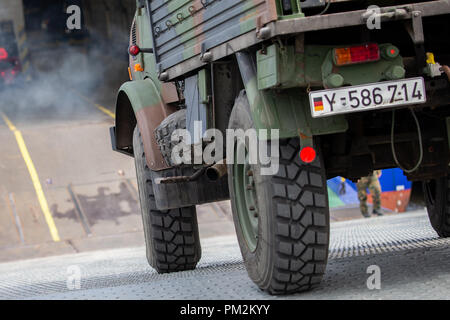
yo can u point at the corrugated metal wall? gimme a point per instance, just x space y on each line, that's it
183 27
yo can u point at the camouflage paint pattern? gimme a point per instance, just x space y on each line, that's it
193 25
149 98
182 29
283 67
150 110
286 110
372 183
185 28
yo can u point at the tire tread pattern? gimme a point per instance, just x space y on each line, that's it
171 236
302 223
163 133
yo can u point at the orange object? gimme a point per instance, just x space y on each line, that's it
356 54
342 56
138 67
396 201
129 74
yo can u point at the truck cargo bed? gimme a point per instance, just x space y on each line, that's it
185 29
182 29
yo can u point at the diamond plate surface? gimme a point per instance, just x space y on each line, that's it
414 262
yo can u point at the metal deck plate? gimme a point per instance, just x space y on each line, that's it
414 262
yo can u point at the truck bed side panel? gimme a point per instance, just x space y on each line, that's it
183 28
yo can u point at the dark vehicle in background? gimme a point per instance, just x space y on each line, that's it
10 66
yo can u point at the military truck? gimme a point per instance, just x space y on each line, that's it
333 88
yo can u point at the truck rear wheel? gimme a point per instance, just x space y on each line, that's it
171 236
282 220
437 199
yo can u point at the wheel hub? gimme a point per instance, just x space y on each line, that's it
246 198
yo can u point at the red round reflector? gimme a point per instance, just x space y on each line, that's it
134 50
3 53
308 154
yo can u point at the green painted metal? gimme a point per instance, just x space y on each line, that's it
277 86
246 198
282 67
268 61
389 51
142 94
289 112
334 80
370 72
285 110
183 29
204 87
145 40
395 72
296 10
145 89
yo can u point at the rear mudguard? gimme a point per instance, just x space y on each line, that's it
143 103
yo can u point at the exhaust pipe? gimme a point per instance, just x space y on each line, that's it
216 171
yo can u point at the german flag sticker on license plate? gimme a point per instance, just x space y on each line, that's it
318 104
366 97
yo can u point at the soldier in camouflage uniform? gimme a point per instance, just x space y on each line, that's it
370 182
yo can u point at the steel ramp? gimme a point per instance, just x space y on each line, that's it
414 264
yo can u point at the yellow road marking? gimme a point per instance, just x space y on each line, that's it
23 54
26 66
22 40
104 110
34 178
99 107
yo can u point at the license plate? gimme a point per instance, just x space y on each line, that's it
367 97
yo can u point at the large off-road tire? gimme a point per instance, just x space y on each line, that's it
281 220
437 199
163 132
171 236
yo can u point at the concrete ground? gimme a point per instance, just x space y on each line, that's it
90 191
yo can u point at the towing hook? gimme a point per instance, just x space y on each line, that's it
216 171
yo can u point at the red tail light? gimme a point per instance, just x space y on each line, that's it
3 54
356 54
134 50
